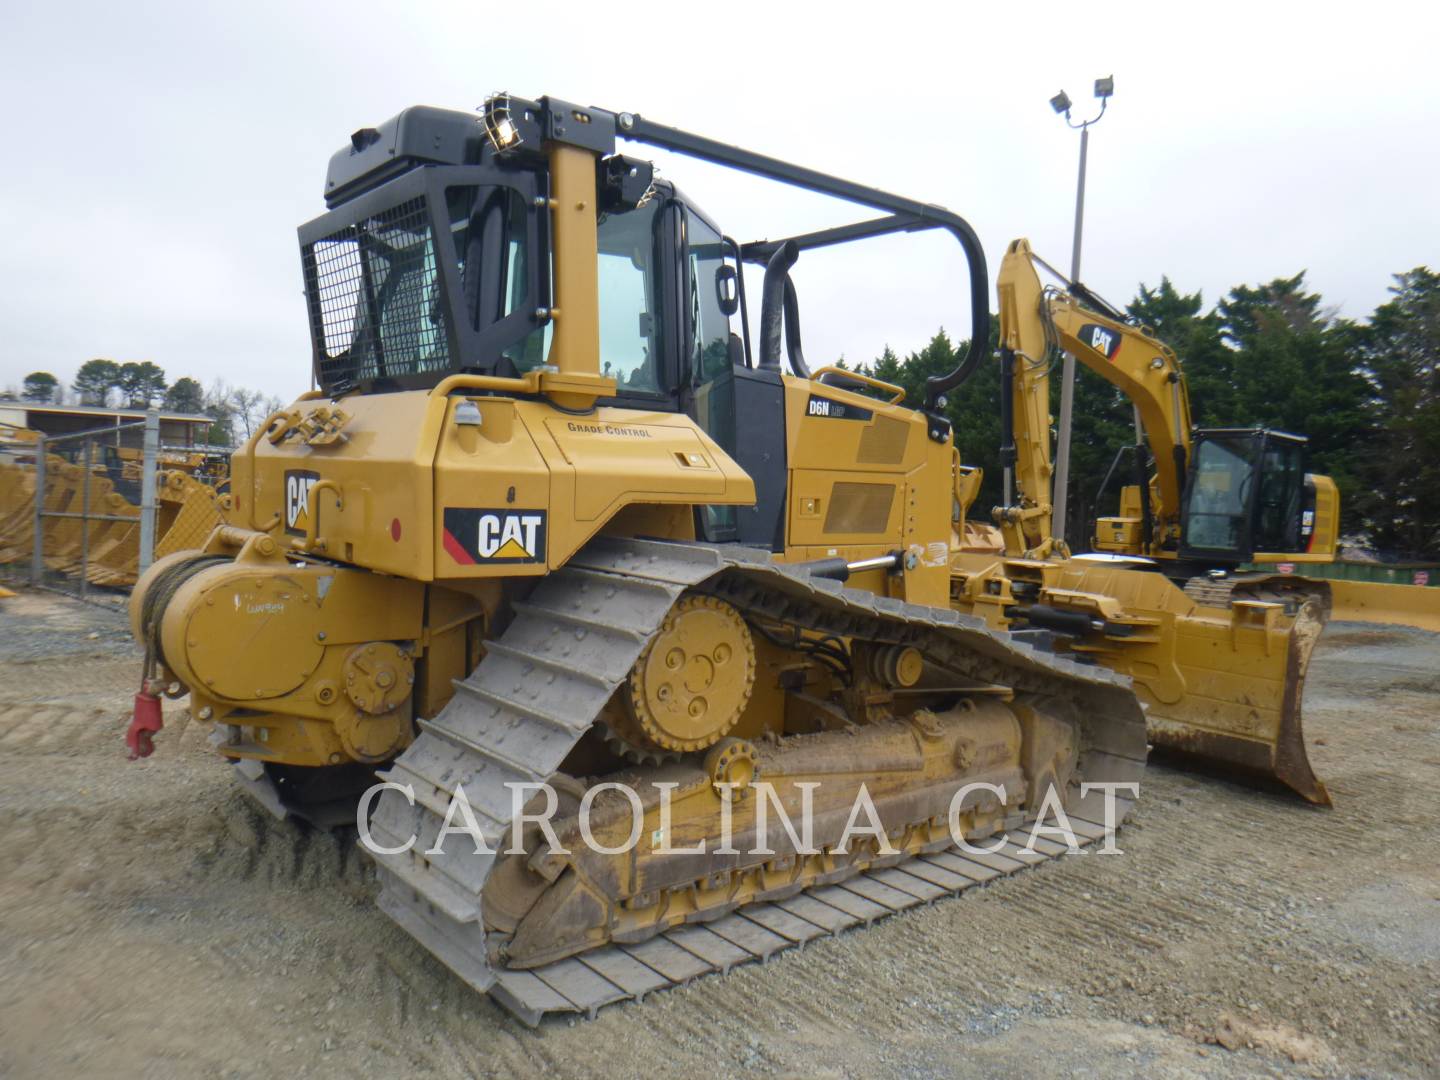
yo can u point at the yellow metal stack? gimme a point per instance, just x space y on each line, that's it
106 551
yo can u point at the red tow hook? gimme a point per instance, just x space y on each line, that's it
148 719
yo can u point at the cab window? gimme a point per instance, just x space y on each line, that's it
708 361
629 307
1282 488
710 340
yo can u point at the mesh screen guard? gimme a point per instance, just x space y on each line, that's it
387 285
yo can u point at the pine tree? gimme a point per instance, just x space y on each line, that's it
94 381
1400 466
40 387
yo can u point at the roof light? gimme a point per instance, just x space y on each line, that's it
500 129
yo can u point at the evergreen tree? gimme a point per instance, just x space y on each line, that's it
40 387
141 384
1295 369
1196 338
94 381
1400 465
185 395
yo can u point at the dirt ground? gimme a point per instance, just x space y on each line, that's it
153 923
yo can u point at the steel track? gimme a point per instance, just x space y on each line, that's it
543 684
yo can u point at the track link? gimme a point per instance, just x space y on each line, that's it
519 714
1291 591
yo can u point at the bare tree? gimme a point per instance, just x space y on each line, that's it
251 409
217 406
248 408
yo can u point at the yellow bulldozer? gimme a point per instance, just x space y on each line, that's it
611 601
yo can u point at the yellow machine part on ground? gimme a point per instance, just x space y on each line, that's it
1222 683
108 550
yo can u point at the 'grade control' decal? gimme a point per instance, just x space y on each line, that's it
830 409
494 536
298 483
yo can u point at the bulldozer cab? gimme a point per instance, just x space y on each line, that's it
670 283
439 257
435 260
1247 497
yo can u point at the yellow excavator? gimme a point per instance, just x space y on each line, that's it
1217 499
548 532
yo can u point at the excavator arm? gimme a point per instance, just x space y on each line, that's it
1033 319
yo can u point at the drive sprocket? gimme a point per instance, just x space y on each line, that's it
690 685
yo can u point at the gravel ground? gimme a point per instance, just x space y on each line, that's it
46 626
155 924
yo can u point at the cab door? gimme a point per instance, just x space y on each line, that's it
741 408
1219 496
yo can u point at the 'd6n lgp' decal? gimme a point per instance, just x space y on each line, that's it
476 536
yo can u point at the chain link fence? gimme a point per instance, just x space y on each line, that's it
78 512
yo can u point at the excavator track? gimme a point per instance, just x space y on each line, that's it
1337 598
1271 588
545 682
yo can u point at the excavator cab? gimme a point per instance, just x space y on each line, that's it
1247 498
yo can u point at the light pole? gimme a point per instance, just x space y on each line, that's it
1061 104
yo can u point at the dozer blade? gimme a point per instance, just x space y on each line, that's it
1222 680
1265 742
1373 602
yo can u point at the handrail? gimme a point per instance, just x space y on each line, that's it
529 383
907 215
868 380
312 541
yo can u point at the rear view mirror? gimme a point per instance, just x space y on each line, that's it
727 291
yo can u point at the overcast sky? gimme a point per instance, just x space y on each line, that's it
160 155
